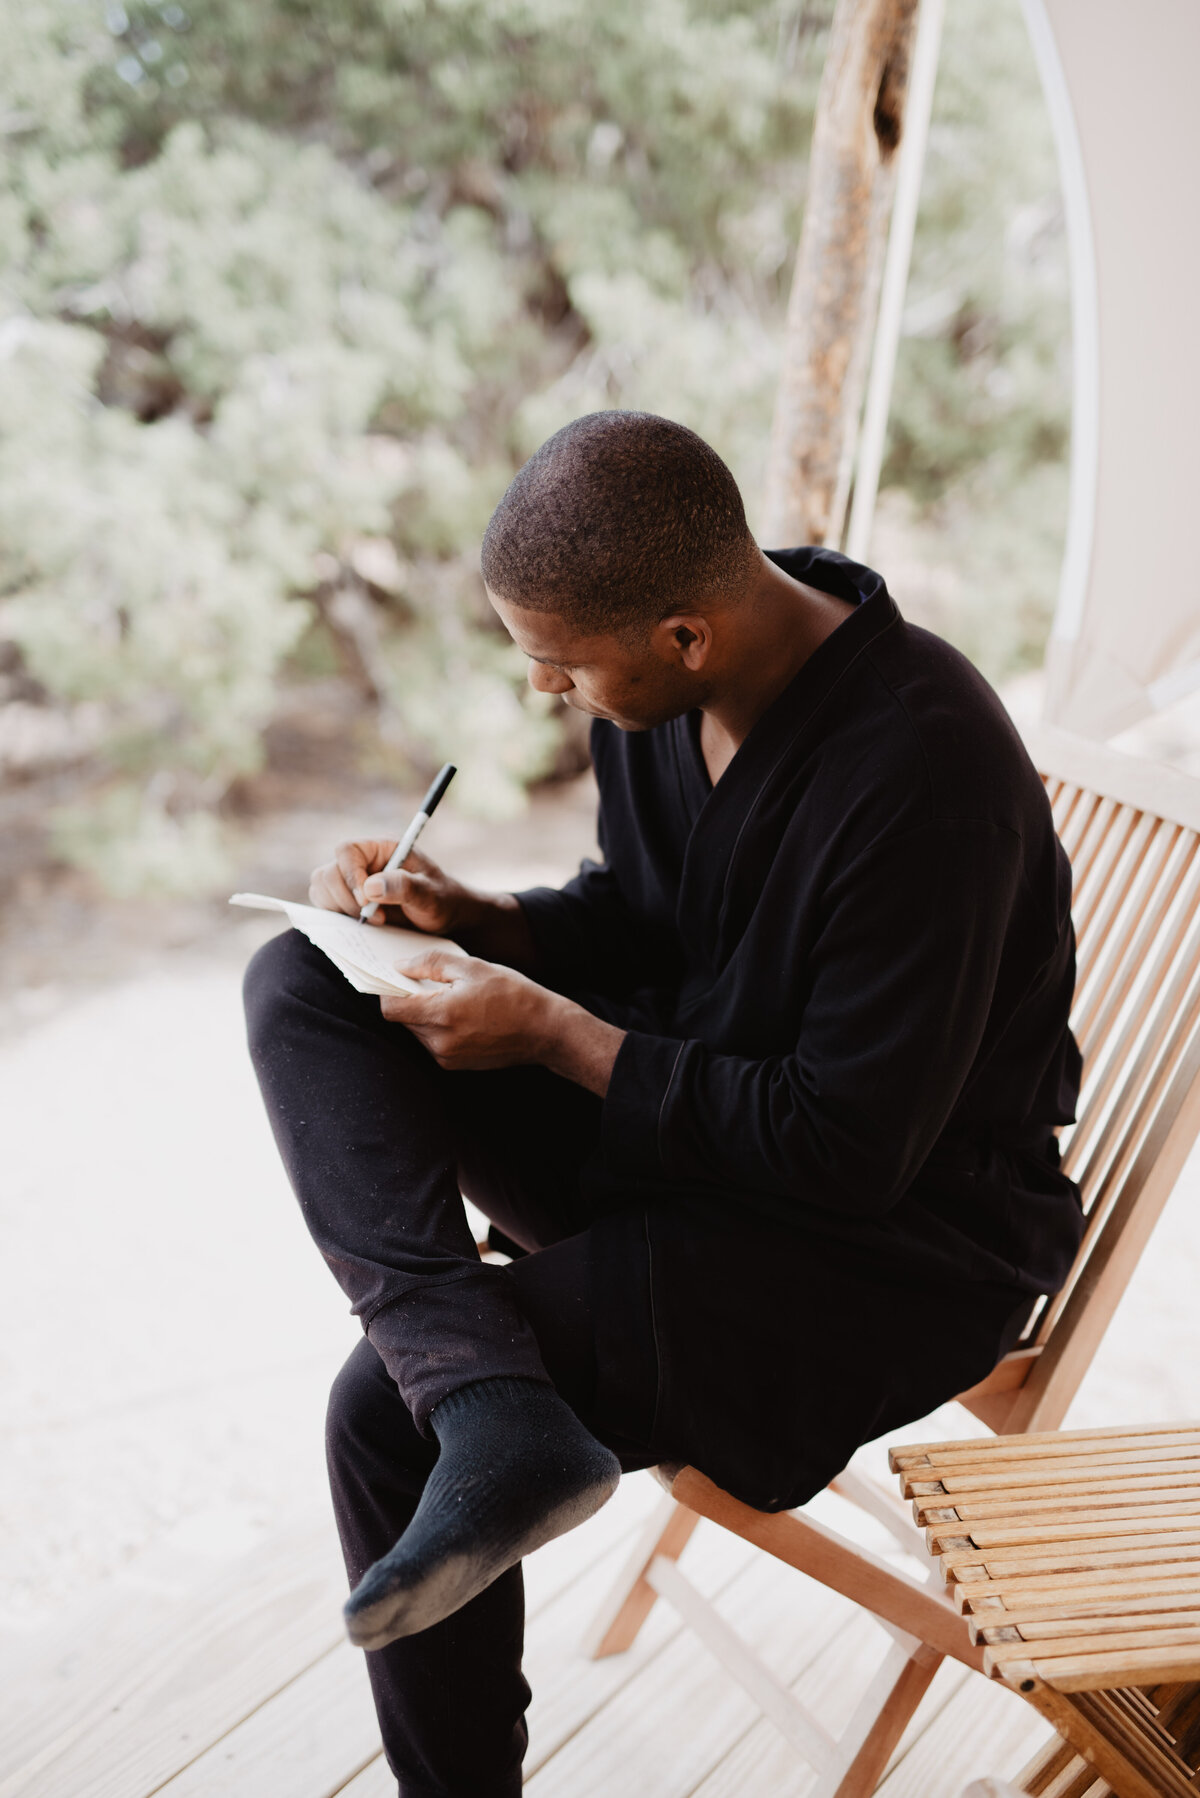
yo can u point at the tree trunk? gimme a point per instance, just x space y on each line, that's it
860 114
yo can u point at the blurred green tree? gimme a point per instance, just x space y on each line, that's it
288 288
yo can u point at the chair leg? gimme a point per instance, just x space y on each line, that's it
616 1625
1131 1760
900 1601
869 1739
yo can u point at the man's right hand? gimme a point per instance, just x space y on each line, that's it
421 896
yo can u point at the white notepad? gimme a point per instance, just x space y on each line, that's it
371 956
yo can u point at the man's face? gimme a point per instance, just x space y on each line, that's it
635 686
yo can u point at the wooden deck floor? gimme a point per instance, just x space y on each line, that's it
190 1679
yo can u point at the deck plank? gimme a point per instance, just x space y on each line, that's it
761 1760
151 1678
984 1729
305 1743
375 1781
248 1688
143 1706
568 1689
958 1733
666 1730
98 1647
554 1568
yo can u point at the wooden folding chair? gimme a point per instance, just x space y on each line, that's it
1132 831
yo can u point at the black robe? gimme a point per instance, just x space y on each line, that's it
845 971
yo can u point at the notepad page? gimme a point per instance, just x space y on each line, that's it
371 956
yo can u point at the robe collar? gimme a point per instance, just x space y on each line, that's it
738 809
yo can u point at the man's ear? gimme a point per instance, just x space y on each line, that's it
686 639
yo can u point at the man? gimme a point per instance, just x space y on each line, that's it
763 1105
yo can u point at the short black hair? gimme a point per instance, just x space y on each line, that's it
618 520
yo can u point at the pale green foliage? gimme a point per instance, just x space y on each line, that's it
289 288
461 691
138 845
151 565
122 544
714 368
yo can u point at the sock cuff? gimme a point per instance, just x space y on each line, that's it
511 1389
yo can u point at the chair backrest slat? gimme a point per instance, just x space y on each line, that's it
1095 1291
1100 884
1116 914
1078 818
1152 988
1132 832
1109 984
1142 1098
1089 849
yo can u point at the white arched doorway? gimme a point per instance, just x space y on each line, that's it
1120 83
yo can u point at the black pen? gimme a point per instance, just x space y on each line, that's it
401 852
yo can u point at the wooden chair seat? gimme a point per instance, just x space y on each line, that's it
1074 1558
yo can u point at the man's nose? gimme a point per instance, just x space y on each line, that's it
549 680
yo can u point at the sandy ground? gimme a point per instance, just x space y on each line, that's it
167 1332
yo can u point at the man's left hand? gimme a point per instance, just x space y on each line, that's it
482 1015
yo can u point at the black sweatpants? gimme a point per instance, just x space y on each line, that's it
729 1341
379 1144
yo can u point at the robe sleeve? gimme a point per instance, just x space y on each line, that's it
900 982
591 936
585 933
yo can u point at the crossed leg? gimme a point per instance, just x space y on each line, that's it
379 1143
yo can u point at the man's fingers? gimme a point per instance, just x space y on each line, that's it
351 863
419 1010
436 964
328 890
389 889
415 879
417 862
357 860
355 876
405 1008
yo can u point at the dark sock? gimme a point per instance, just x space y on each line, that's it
516 1469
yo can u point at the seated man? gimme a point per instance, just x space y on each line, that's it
763 1105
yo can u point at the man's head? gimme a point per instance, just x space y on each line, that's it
609 556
